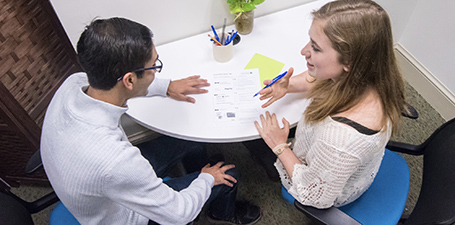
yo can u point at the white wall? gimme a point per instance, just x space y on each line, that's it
399 12
169 20
430 37
425 38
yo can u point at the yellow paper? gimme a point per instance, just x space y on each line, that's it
268 68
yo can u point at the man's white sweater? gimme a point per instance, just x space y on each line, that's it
96 172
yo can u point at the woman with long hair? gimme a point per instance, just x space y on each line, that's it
357 96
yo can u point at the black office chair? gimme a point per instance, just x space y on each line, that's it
14 210
436 202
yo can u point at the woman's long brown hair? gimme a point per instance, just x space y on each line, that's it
361 32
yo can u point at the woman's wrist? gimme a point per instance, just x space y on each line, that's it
280 148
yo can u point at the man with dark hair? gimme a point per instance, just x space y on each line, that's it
96 172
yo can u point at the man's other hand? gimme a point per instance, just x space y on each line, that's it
179 89
218 171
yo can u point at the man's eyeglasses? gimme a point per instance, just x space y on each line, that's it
158 67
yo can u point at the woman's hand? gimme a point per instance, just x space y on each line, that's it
218 172
277 90
179 89
271 132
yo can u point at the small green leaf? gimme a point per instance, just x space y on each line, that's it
248 7
235 10
239 6
257 2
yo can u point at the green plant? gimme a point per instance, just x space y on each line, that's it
237 7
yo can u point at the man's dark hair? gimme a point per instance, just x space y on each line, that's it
110 48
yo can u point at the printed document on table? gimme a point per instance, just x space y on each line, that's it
233 101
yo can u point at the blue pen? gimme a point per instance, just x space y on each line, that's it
232 38
216 35
227 40
273 81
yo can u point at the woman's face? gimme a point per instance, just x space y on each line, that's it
322 59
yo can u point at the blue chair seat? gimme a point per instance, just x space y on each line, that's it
62 216
384 201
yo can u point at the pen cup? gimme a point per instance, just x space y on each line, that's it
222 53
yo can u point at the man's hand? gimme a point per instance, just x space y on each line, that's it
179 89
218 172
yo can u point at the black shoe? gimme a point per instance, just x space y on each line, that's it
245 213
410 111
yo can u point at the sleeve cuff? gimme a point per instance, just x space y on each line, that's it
209 178
158 87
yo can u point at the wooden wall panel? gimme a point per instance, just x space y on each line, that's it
35 58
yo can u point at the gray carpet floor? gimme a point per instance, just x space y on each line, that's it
257 188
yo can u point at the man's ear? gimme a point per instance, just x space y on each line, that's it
129 79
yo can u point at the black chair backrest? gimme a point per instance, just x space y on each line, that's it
12 212
436 203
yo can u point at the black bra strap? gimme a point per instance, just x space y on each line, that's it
359 127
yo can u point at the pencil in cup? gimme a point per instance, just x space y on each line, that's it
214 40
